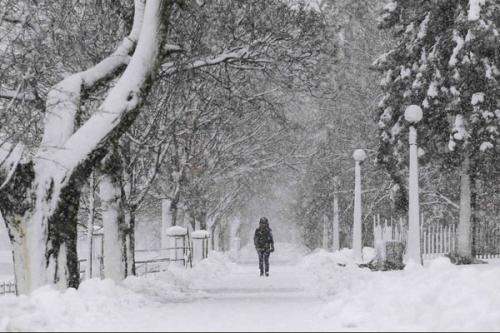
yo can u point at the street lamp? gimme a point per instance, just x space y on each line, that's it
359 156
413 114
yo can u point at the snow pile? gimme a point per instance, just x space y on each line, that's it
343 257
327 271
439 297
109 306
94 304
214 267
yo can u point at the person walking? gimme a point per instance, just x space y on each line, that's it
264 244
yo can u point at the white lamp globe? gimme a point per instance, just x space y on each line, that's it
413 114
359 155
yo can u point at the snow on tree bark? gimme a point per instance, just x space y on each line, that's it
40 200
114 251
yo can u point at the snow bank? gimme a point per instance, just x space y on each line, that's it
327 269
95 304
217 264
109 306
439 297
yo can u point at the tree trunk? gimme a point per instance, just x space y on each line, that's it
213 232
166 222
174 211
118 220
40 211
203 221
130 241
336 223
476 184
325 232
115 228
39 200
90 229
464 230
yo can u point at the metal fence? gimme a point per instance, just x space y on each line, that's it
182 253
7 287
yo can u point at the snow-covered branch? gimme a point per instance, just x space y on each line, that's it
119 106
10 157
242 53
63 100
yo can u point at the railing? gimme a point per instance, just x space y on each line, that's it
145 267
439 239
142 267
83 272
7 287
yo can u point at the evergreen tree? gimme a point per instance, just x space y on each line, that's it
447 60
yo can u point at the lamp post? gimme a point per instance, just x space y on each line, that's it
413 114
359 156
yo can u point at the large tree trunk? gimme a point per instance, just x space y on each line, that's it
118 221
41 215
476 187
113 221
39 199
464 230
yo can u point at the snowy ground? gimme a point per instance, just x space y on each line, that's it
315 294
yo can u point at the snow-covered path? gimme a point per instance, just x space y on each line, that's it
238 301
244 301
218 295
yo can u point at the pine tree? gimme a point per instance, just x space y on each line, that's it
447 60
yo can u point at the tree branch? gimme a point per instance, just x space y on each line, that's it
17 95
63 100
119 108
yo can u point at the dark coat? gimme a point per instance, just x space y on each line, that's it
263 239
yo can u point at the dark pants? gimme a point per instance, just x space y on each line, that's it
264 261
